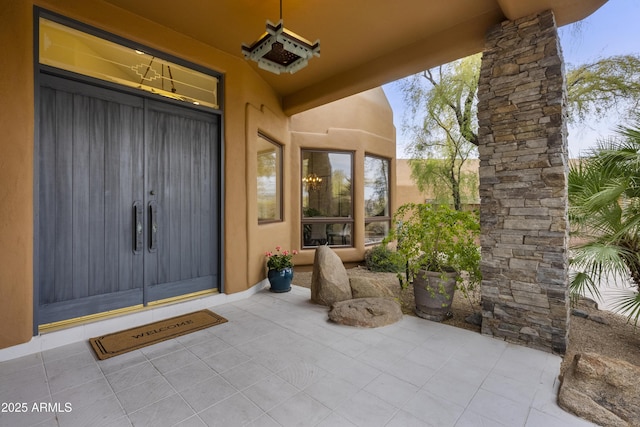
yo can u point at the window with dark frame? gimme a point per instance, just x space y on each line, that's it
327 198
269 180
376 199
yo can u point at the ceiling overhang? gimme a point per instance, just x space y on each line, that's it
365 43
565 11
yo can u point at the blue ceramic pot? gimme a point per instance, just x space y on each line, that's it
280 280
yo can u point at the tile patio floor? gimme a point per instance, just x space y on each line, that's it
279 362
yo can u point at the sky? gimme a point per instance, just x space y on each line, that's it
614 29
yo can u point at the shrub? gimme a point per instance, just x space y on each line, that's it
382 259
440 239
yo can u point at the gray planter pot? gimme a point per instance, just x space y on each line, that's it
434 295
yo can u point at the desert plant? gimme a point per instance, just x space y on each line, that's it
604 211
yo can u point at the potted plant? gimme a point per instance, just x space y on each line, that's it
442 253
280 265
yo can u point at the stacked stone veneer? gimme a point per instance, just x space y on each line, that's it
523 181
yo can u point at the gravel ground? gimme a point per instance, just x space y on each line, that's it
614 337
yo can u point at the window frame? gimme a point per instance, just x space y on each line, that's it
387 218
327 220
279 180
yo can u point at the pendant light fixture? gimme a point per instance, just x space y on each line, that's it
280 50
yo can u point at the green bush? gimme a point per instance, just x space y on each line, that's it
382 259
440 239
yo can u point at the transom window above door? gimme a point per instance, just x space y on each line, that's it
72 50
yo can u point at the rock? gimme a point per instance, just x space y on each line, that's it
579 313
529 331
602 390
588 302
329 280
366 312
474 319
508 69
363 287
598 319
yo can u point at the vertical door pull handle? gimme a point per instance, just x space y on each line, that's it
153 226
138 235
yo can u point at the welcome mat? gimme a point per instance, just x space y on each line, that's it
141 336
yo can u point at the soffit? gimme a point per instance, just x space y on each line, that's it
566 11
364 43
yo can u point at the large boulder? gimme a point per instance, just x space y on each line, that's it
366 312
603 390
364 287
329 280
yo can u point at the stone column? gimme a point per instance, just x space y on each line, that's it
523 184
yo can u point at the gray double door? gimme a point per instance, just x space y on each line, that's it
128 200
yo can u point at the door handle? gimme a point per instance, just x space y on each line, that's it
138 236
153 226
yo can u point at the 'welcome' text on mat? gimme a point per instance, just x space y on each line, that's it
141 336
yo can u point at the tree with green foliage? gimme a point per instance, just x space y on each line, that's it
604 211
446 97
445 101
608 84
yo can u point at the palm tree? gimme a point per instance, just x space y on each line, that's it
604 211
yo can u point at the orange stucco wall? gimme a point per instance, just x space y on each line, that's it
16 174
249 105
406 189
362 124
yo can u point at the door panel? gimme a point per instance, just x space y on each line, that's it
101 154
91 150
182 149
